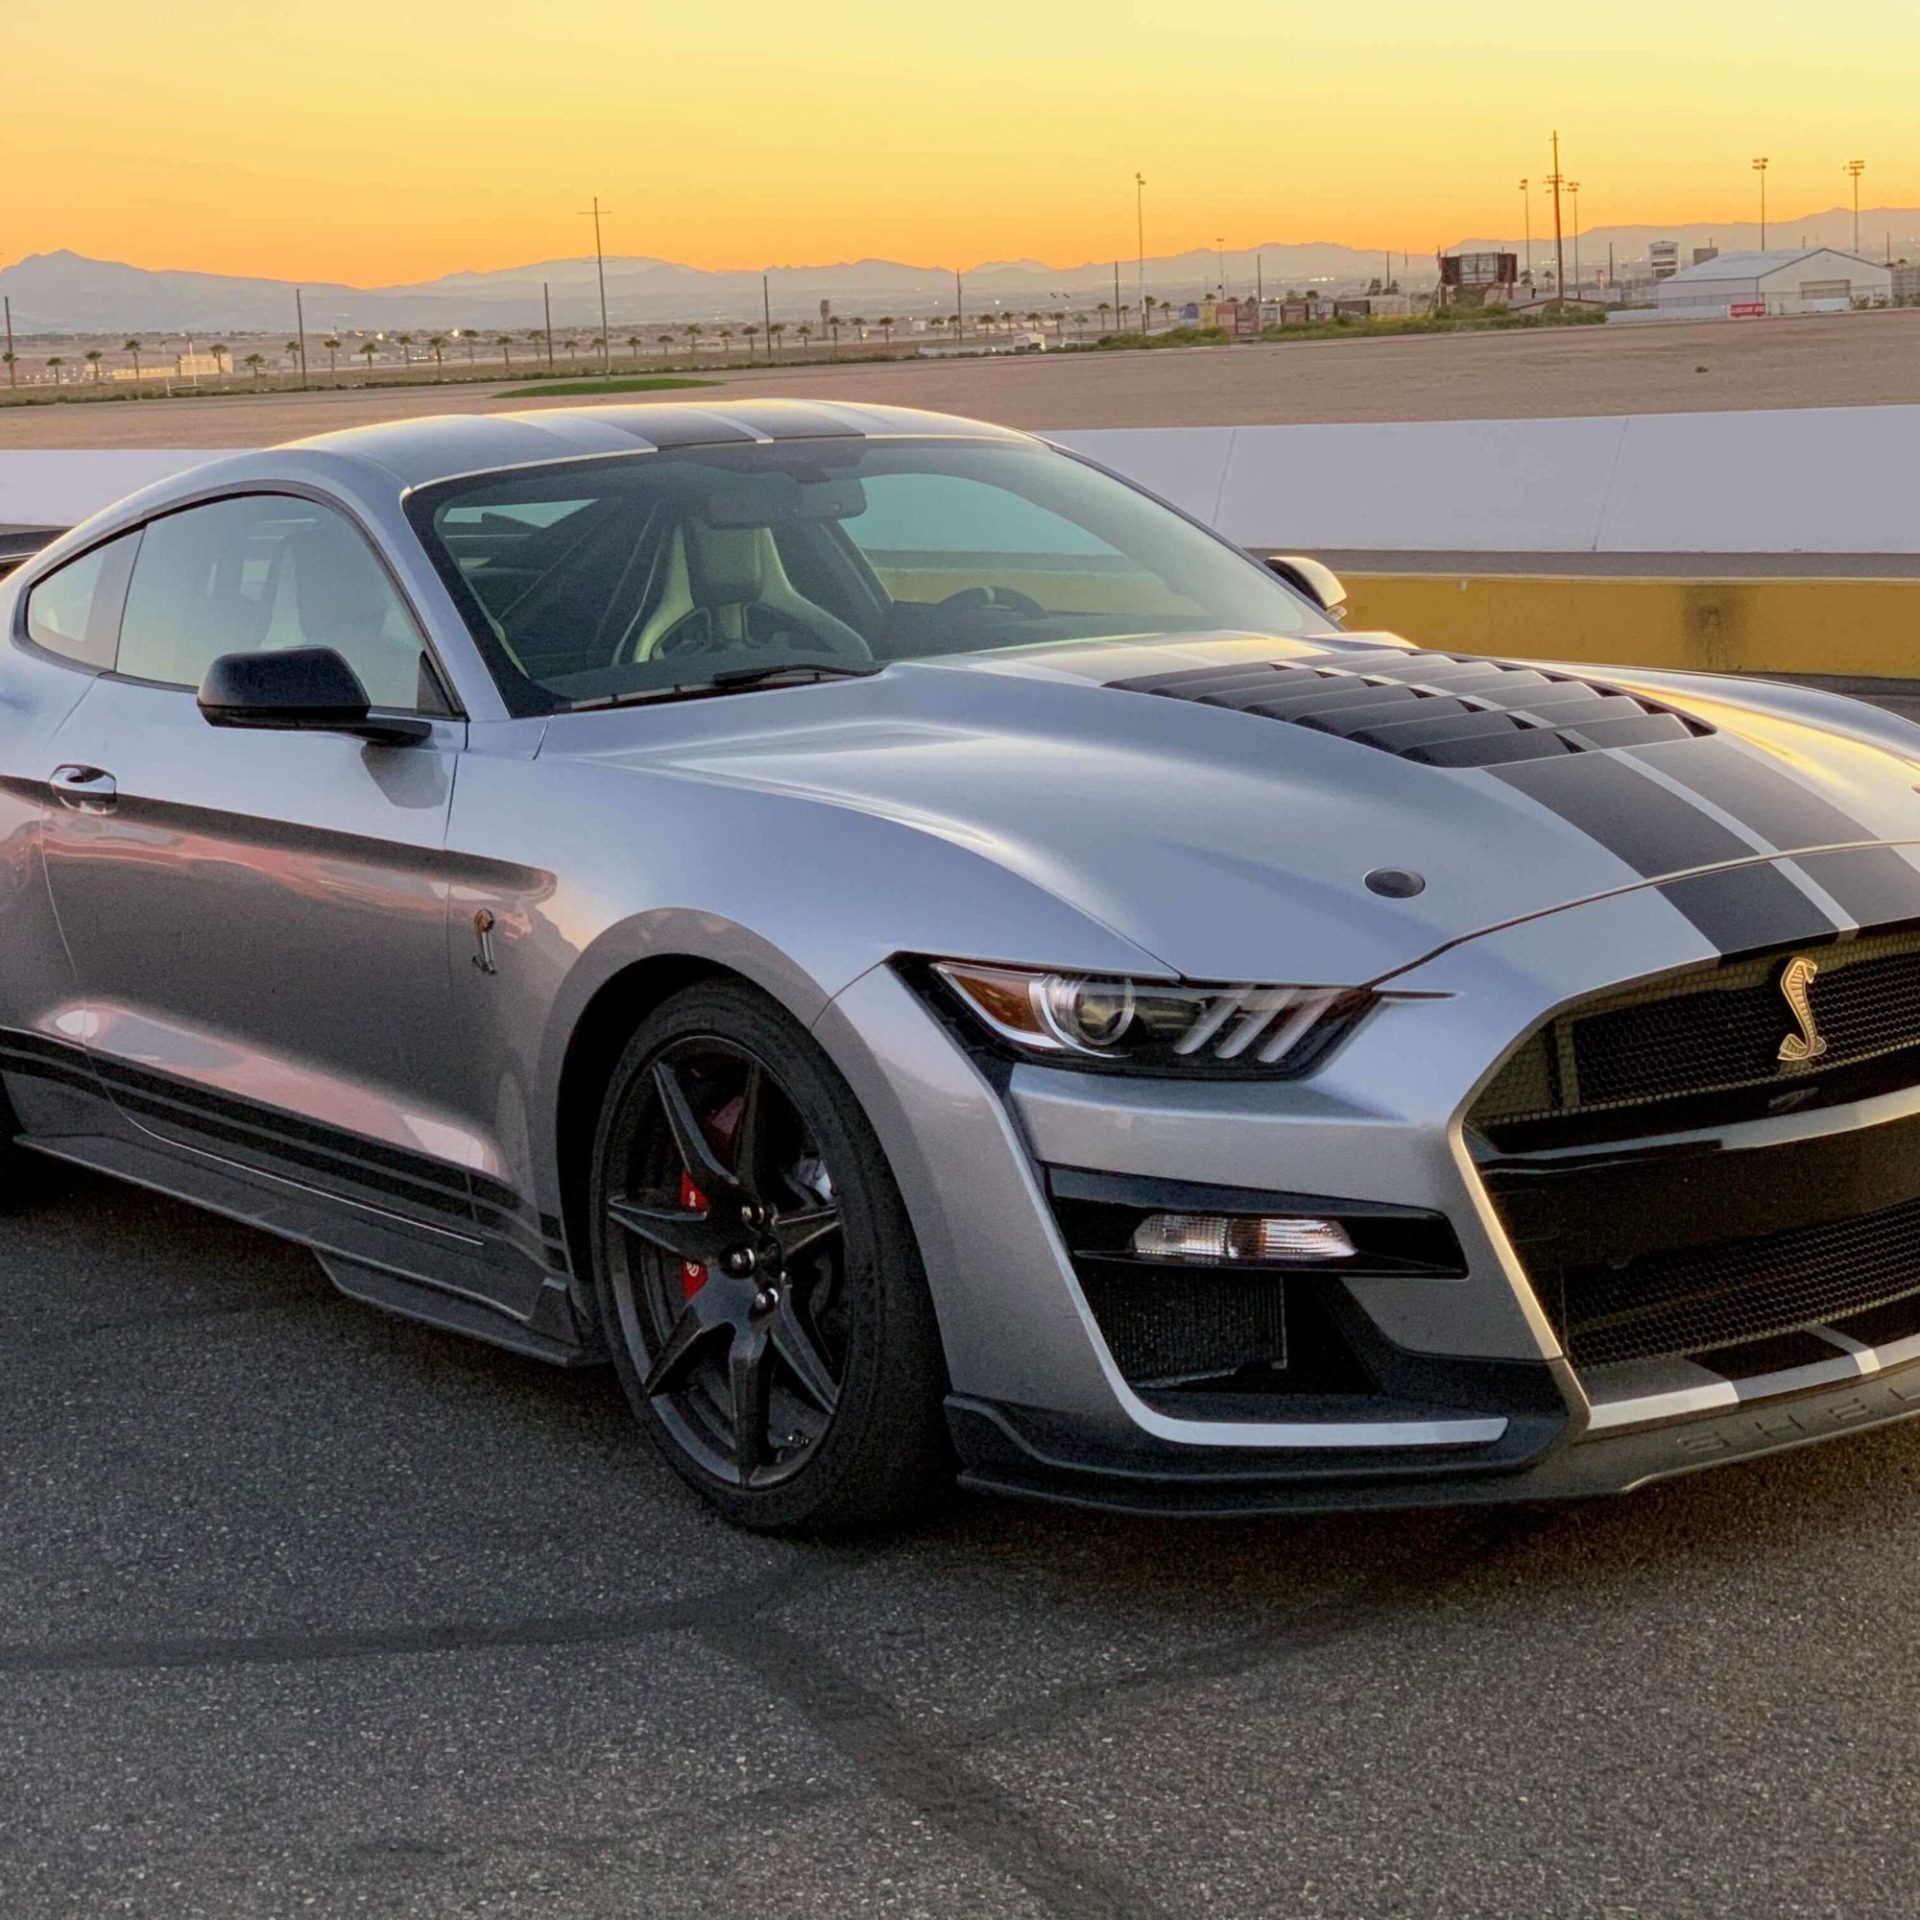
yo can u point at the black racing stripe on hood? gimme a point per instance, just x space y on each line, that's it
1875 886
1741 908
1654 830
1758 794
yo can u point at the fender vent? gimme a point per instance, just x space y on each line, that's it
1443 709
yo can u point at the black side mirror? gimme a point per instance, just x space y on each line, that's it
298 689
1314 578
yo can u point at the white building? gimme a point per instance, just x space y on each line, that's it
1820 280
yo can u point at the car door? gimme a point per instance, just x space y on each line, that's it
258 919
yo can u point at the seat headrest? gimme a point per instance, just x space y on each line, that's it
340 596
726 566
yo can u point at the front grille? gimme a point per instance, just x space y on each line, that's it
1441 709
1601 1066
1696 1300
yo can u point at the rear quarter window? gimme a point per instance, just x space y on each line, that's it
75 611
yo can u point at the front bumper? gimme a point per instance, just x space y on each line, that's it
1472 1398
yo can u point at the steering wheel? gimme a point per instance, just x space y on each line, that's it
994 599
693 633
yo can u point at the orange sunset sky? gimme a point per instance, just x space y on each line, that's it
369 141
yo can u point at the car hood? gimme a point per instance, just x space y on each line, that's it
1141 784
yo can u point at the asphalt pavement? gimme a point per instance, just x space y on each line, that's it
306 1611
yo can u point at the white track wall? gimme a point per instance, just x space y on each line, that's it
1835 480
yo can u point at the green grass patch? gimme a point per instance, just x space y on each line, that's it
633 383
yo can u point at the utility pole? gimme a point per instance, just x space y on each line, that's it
1856 168
959 308
546 301
1140 237
1526 207
766 316
1556 181
300 334
13 365
600 267
1119 312
1760 167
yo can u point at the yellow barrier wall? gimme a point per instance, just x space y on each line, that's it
1730 626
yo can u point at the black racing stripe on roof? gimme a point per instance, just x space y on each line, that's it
668 427
791 420
1654 830
1759 794
1876 886
1741 908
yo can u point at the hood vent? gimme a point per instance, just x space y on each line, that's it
1443 709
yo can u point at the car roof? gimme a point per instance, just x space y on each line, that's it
439 447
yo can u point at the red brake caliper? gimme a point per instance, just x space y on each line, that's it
693 1276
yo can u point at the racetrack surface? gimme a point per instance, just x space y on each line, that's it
304 1610
1867 359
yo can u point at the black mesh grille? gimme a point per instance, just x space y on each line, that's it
1718 1033
1164 1326
1697 1299
1443 709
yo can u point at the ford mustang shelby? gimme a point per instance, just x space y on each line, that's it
924 956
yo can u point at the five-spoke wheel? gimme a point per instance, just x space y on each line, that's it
760 1286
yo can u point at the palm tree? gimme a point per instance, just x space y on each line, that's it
437 346
219 350
1059 326
693 331
1103 309
958 326
136 348
535 335
255 361
1036 321
94 357
726 342
405 343
1079 326
634 346
573 349
368 351
56 363
666 343
332 345
886 324
805 334
777 333
473 344
505 344
293 353
752 334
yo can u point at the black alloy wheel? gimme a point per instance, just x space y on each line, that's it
758 1280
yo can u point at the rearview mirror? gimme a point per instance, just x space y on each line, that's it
1314 578
298 690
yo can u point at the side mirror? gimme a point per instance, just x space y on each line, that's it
1315 579
298 690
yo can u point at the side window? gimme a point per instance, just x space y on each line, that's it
75 612
266 572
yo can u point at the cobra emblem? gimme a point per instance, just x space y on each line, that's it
1796 984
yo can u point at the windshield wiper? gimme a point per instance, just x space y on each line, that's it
734 680
801 671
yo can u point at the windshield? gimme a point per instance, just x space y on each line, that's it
616 578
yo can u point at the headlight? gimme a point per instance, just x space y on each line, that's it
1148 1026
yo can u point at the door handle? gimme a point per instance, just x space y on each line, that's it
85 789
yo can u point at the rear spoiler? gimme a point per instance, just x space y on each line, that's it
18 544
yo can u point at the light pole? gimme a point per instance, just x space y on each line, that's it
1573 189
1760 167
1220 246
600 266
1856 168
1526 203
1140 237
1556 180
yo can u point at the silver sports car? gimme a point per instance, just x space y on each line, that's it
930 961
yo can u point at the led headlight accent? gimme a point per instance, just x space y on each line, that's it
1153 1026
1222 1239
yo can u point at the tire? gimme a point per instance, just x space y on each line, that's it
756 1273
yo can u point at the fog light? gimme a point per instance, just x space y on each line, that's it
1223 1238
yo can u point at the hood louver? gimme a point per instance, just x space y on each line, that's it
1442 709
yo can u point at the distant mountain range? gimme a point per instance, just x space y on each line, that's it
67 293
